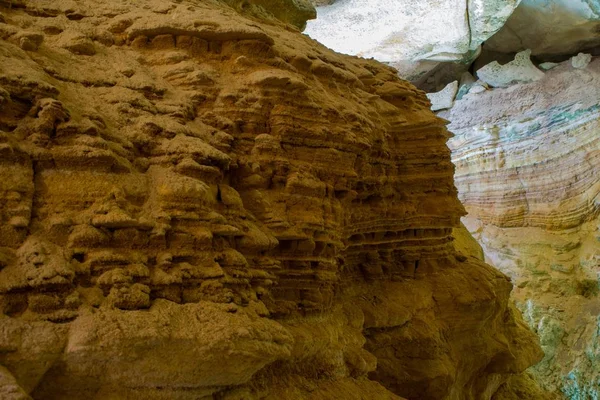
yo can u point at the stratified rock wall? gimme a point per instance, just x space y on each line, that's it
528 172
528 156
195 203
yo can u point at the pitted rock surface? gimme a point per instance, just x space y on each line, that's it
198 203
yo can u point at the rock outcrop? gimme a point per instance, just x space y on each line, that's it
443 99
294 12
528 172
413 36
197 203
519 70
550 28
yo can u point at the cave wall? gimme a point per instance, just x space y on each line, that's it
198 204
413 36
526 155
528 166
550 28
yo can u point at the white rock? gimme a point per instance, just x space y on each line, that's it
409 32
477 88
548 65
581 60
520 70
443 99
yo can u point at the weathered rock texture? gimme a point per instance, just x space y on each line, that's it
550 28
443 99
194 204
528 172
519 70
412 35
295 12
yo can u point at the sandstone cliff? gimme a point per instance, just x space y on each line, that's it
528 172
195 204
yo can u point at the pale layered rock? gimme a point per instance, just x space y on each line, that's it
510 143
520 70
549 27
208 205
555 274
581 60
478 87
443 99
412 36
548 65
528 174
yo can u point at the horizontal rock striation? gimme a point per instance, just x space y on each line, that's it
528 155
198 203
527 162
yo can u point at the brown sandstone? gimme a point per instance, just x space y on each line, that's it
198 204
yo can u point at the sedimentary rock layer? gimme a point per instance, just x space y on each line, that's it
198 203
529 155
528 172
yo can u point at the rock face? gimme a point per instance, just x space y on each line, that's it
528 172
411 35
550 27
294 12
196 203
581 60
520 70
443 99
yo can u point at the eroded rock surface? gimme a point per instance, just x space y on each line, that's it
194 203
550 28
413 36
519 70
528 172
443 99
581 60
